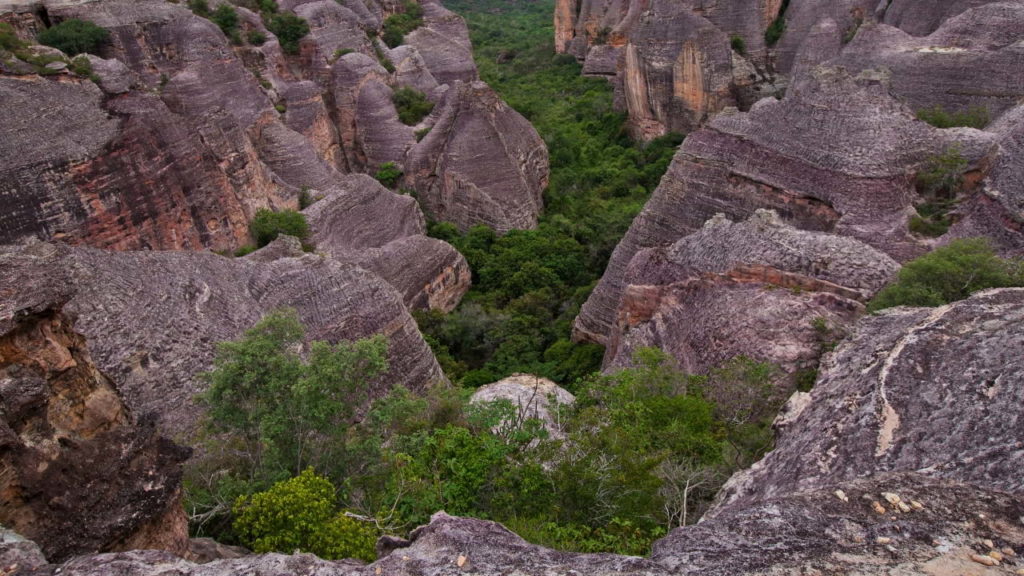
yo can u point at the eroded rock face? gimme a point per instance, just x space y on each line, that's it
836 155
78 473
903 394
922 17
759 289
153 318
186 136
481 163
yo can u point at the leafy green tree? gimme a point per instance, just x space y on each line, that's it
948 274
267 225
288 28
287 410
300 514
74 36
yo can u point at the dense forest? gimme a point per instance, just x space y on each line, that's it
528 285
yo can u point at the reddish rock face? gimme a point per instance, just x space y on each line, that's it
80 473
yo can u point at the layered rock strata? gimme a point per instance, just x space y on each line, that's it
759 289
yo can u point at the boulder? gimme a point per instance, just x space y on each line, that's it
531 396
153 318
760 289
922 17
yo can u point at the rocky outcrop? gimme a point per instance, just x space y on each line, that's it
759 289
836 155
153 318
362 222
969 61
903 394
481 163
78 473
922 17
531 396
185 136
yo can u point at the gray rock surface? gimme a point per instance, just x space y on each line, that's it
153 318
931 390
922 17
481 163
759 289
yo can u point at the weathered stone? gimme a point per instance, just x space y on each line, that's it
922 17
901 395
759 289
481 163
153 318
77 472
443 44
531 396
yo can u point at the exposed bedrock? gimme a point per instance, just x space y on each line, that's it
759 289
972 60
837 155
931 390
481 163
78 472
185 136
153 319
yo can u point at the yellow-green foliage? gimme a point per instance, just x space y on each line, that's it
300 514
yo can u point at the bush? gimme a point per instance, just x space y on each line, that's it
267 225
74 37
398 25
300 514
289 29
256 38
973 117
389 174
226 19
199 7
942 174
738 44
412 105
9 39
778 26
948 274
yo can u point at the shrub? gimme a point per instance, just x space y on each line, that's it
289 29
9 39
948 274
299 514
942 174
74 37
199 7
396 26
389 174
412 105
778 26
267 225
421 133
226 19
973 117
738 44
383 59
256 38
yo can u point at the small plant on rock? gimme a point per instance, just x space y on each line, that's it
74 37
268 225
389 174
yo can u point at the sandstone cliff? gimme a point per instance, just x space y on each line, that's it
153 319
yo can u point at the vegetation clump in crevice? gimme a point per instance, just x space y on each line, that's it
396 26
74 37
389 174
411 104
775 30
973 117
267 225
948 274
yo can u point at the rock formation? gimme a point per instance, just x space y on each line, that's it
836 155
759 289
901 395
78 472
532 397
153 319
481 163
184 136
